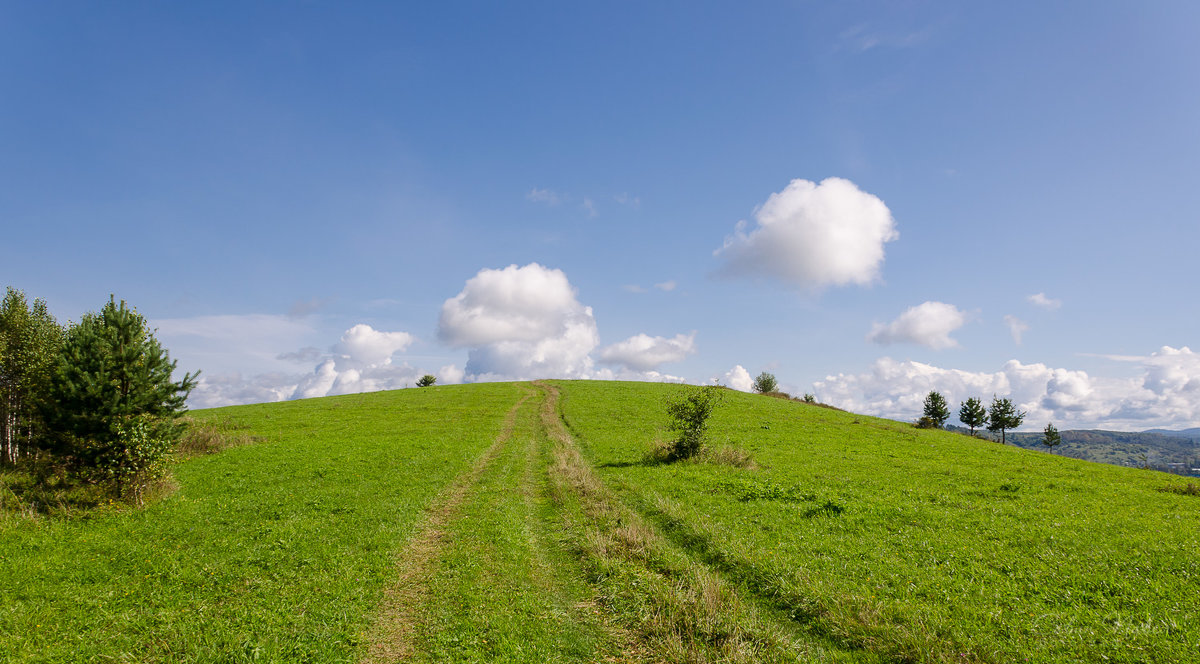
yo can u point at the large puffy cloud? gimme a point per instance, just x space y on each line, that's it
515 304
1173 370
364 345
645 353
520 323
526 322
737 378
1167 394
813 235
928 324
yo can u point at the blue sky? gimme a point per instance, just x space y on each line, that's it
315 198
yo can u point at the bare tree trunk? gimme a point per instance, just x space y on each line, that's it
7 423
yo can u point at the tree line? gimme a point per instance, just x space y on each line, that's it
93 399
1000 417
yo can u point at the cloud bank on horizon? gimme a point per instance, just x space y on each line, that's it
1166 391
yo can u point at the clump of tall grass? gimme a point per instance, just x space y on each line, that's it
663 451
210 437
1190 490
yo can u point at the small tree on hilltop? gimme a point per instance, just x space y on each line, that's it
972 413
936 411
1051 437
766 383
1003 415
689 411
426 380
113 402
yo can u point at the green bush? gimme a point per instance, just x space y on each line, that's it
766 383
137 460
926 422
689 411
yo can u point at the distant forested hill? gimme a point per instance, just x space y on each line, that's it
1194 433
1172 451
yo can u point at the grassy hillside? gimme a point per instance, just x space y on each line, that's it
276 551
529 523
919 545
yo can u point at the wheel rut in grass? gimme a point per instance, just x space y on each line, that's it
677 606
489 576
530 557
391 638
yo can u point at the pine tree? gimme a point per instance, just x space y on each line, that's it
113 398
1003 415
29 343
936 410
1051 437
972 413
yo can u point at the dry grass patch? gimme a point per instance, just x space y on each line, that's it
211 437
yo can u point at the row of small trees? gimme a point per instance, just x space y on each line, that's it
95 397
1001 416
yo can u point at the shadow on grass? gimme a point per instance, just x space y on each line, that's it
36 489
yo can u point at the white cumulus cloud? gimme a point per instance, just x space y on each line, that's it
737 378
642 352
450 375
1166 394
527 303
363 360
520 323
1040 300
364 345
813 235
927 324
214 390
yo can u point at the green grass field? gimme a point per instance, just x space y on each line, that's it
530 523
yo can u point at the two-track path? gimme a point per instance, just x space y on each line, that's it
529 557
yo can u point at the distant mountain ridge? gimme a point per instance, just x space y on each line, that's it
1193 433
1160 449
